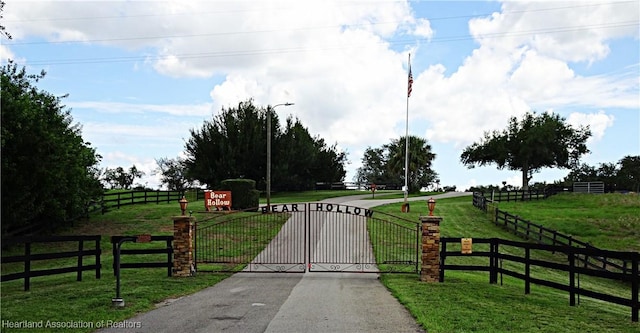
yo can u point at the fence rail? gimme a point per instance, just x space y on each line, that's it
119 199
28 257
588 187
502 196
496 258
168 250
542 235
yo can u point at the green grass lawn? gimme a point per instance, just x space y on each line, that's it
466 302
60 298
609 221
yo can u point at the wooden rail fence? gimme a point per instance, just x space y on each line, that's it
167 249
497 254
542 235
28 257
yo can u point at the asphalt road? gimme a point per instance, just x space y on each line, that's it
285 302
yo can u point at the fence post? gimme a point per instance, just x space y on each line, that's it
169 257
114 253
443 257
493 261
430 271
80 254
527 270
572 277
635 287
27 265
183 246
98 253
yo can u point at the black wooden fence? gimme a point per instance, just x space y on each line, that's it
120 199
533 194
542 235
167 249
28 257
497 254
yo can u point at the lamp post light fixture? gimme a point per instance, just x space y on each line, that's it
183 205
269 110
431 203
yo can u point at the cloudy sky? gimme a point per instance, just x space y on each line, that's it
140 74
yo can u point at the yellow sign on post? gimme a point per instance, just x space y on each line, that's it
467 245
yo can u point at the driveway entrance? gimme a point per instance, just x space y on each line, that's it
308 237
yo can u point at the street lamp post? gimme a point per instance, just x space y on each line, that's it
269 110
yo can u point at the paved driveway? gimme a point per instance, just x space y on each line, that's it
286 302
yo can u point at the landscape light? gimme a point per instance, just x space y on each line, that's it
431 203
183 205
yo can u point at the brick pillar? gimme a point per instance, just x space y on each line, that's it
183 246
430 248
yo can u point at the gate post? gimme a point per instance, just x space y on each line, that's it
430 271
183 246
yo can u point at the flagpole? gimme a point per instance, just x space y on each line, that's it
406 144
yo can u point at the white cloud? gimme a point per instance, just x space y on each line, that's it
203 109
423 29
567 31
5 53
342 66
597 122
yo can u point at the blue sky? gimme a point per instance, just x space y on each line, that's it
140 74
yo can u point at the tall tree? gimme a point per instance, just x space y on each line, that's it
623 175
534 142
233 145
120 178
48 171
386 164
373 169
173 173
582 173
629 173
420 158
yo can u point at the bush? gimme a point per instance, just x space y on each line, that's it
243 193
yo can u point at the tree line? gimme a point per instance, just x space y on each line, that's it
386 164
50 174
621 176
233 145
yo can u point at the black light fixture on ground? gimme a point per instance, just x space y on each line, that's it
269 110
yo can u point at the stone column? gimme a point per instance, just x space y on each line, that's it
183 246
430 248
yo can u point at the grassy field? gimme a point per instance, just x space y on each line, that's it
610 221
466 302
59 298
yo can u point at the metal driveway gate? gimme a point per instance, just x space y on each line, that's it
314 237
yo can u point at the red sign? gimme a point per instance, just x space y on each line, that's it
143 238
217 199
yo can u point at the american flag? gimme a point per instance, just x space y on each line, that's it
410 83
